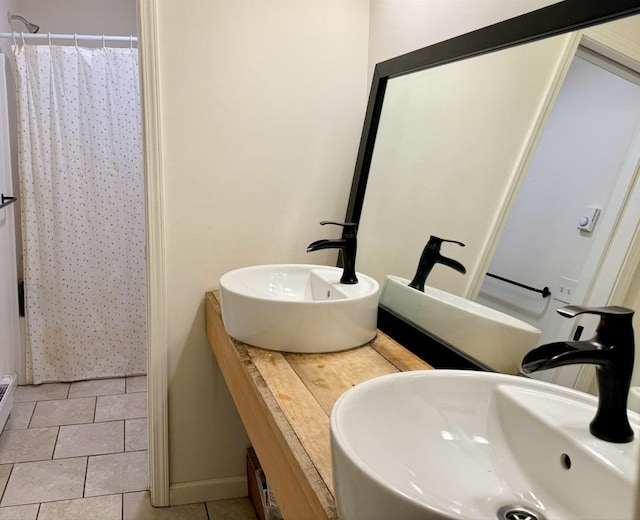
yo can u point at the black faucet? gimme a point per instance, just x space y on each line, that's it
611 350
430 257
347 245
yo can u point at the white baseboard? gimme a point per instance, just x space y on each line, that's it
205 490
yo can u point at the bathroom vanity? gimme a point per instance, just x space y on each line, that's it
285 401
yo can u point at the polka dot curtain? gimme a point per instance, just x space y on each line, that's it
81 176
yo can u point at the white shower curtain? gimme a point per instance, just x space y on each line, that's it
80 163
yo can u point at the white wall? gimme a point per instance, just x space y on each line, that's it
401 26
633 302
625 28
262 107
115 17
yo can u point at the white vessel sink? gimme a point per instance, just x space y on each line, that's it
446 444
298 308
496 339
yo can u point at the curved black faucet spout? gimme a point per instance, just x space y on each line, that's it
612 351
324 243
562 353
347 246
453 264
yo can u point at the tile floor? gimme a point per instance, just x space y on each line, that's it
79 451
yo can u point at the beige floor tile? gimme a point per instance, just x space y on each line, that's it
20 416
117 473
136 384
107 507
137 506
27 445
90 439
45 481
97 387
5 471
231 509
29 512
136 435
118 407
41 392
66 411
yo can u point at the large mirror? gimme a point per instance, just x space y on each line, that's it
501 139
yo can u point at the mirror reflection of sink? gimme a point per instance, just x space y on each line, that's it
492 337
298 308
446 444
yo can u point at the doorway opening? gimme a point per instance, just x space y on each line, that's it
575 197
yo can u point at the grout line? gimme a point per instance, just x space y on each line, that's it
86 471
55 444
7 483
32 414
57 425
25 504
94 496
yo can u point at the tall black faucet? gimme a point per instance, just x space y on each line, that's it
347 245
611 350
430 257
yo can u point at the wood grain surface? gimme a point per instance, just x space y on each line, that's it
285 401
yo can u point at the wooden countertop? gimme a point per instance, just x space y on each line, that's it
285 401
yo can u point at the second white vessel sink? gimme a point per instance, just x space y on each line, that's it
446 444
298 308
496 339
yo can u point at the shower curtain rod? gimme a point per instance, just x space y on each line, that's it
50 36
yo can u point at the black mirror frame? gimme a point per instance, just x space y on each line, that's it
556 19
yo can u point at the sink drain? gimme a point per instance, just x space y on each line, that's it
512 512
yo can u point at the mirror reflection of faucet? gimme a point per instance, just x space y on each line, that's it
612 351
431 256
347 244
